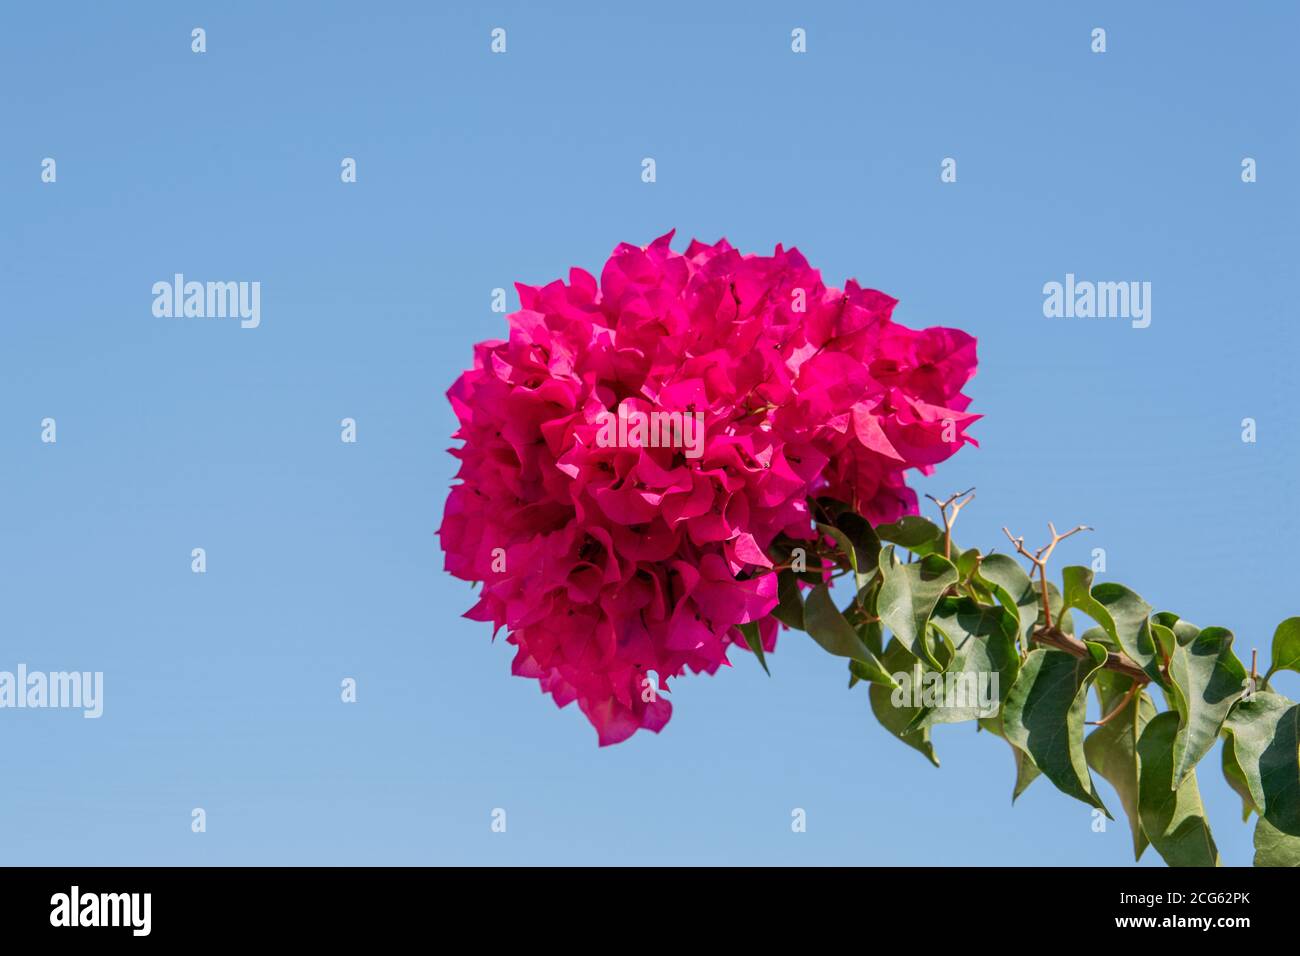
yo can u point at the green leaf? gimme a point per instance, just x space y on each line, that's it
1013 589
1275 848
1286 647
1118 611
890 707
1076 591
789 608
1026 772
1236 777
981 592
832 508
1165 640
1265 736
842 542
863 538
1111 750
908 593
783 551
829 628
861 554
873 635
1111 687
916 534
1208 680
755 643
1172 818
968 563
1098 636
1044 715
1184 631
984 650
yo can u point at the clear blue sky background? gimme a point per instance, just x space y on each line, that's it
222 690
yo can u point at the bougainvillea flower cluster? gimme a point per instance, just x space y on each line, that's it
606 560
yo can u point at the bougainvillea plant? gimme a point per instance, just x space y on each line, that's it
681 458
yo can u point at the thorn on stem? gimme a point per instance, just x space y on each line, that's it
1040 557
956 506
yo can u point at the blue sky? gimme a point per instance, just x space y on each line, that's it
476 170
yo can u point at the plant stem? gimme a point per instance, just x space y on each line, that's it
1128 696
1120 663
1047 611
